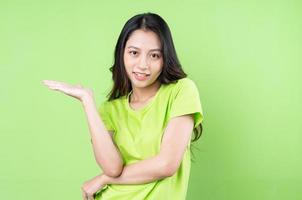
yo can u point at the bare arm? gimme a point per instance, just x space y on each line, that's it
105 151
165 164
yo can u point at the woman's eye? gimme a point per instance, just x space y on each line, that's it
133 53
155 55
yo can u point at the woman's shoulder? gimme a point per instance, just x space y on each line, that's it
182 83
185 87
185 81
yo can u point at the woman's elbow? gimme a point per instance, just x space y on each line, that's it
169 168
114 170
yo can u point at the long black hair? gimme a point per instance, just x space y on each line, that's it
172 70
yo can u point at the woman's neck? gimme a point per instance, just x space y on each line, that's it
144 94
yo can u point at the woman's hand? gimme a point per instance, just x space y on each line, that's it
76 91
90 187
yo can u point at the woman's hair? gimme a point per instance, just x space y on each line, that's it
172 70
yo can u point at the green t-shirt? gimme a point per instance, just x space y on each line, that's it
138 135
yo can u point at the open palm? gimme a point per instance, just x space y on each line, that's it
76 91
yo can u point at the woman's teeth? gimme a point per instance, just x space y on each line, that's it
140 75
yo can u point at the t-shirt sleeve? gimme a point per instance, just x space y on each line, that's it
105 116
186 100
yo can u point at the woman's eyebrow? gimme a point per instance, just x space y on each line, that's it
138 48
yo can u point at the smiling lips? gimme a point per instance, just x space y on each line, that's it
141 76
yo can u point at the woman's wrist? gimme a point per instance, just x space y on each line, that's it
87 99
104 179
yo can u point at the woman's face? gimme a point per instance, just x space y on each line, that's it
143 58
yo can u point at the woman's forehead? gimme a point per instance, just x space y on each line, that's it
141 39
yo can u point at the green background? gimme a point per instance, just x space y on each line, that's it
245 57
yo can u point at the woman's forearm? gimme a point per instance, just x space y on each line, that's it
145 171
105 151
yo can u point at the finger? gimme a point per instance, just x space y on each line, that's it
55 88
79 85
50 84
54 83
84 195
51 81
90 197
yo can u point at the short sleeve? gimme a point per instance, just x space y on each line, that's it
105 115
186 100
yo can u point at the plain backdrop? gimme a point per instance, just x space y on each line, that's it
245 57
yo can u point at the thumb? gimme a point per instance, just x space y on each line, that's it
79 85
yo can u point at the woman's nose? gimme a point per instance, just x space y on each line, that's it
143 64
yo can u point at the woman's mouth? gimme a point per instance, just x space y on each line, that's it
141 76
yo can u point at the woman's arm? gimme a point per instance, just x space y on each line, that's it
105 151
175 140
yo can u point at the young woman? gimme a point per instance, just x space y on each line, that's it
141 135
